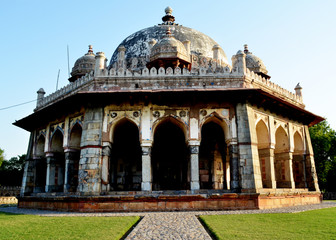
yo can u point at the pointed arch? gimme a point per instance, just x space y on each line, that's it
214 117
174 120
40 165
265 155
281 140
57 162
214 161
125 160
170 155
262 135
299 172
75 136
298 143
56 143
40 145
282 159
118 123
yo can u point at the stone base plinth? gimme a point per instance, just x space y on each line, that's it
188 202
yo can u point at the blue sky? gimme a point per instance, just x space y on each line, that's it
295 39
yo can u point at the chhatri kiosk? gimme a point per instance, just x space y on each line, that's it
169 124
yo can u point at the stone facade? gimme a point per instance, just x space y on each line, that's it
199 127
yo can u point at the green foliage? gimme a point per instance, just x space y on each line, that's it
11 171
324 144
317 224
2 157
36 227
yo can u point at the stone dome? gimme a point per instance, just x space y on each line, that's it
83 65
255 64
138 44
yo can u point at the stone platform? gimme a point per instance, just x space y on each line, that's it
135 202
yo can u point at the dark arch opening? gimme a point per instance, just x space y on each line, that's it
213 164
125 163
57 163
72 158
169 158
40 165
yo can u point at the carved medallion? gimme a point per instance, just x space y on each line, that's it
136 114
156 114
183 114
113 115
203 112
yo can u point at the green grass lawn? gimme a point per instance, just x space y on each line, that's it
13 226
316 224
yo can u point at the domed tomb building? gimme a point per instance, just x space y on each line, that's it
169 124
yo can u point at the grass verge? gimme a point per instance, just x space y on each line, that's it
316 224
14 226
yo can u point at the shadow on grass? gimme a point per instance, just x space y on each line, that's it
207 228
131 229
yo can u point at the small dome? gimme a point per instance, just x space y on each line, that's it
83 65
255 64
169 47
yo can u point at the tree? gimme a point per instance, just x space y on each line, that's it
11 171
1 156
324 144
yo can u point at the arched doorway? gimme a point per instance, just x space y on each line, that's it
40 165
169 157
125 161
298 162
282 159
57 163
72 156
213 163
265 154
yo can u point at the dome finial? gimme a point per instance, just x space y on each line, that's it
246 48
168 10
90 49
168 19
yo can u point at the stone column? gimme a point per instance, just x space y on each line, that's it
28 173
194 165
311 175
284 166
250 175
268 156
71 171
146 183
106 154
89 173
51 172
234 166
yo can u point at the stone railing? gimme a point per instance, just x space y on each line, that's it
162 72
9 191
153 72
273 87
68 89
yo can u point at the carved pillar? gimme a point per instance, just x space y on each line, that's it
106 154
146 183
266 157
51 172
27 179
40 168
284 170
71 170
234 166
194 165
89 172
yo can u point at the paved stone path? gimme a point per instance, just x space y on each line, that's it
170 225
